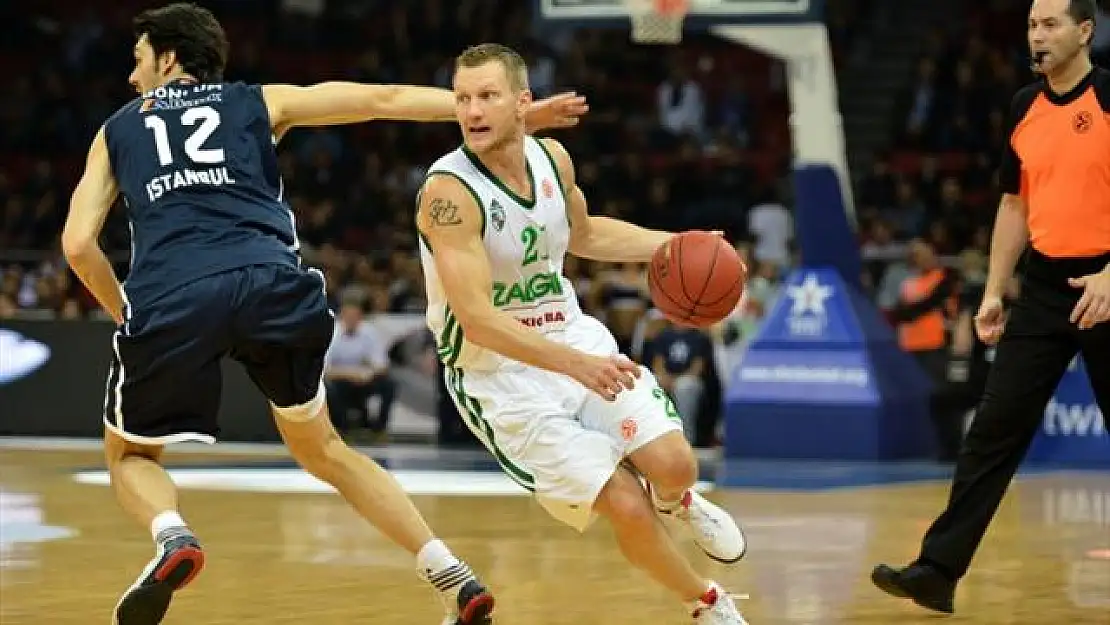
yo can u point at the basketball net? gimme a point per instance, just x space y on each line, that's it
657 21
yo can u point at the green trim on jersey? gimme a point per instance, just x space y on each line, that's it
449 345
558 179
528 204
472 414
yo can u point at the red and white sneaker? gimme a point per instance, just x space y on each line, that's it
715 607
713 529
179 559
465 600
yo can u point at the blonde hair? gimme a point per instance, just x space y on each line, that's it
515 67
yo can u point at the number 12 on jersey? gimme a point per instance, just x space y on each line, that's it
204 121
209 120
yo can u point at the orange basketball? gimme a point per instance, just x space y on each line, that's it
696 279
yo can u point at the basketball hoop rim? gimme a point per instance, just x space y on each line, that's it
657 21
669 8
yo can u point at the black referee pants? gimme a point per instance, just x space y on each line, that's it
1036 348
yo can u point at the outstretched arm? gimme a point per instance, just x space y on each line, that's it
594 236
339 102
88 208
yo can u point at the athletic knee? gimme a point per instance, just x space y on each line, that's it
117 450
624 502
306 411
669 463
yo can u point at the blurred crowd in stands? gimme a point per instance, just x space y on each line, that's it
694 136
937 179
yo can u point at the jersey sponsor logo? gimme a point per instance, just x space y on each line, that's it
171 97
1078 420
160 185
548 188
175 92
20 356
527 290
548 318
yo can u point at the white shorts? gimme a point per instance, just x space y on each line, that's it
554 436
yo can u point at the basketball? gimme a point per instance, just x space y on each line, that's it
696 278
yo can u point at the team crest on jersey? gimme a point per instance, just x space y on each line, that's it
497 215
1082 122
548 188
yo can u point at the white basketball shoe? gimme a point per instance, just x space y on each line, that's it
715 607
713 529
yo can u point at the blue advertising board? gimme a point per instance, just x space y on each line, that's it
825 378
1073 432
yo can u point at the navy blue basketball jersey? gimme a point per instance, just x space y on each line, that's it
197 167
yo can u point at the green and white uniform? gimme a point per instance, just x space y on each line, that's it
550 434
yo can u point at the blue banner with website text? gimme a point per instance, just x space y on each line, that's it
825 379
1073 432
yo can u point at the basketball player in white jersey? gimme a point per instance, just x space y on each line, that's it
540 383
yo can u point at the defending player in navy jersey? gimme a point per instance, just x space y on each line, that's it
215 272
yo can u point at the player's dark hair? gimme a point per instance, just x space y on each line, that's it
192 33
1083 11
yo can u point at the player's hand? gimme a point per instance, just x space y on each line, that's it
558 111
606 376
1094 305
990 320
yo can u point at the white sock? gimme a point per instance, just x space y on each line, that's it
434 557
440 568
164 521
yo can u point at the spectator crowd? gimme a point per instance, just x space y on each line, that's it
693 136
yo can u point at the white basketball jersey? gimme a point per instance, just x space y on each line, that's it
526 242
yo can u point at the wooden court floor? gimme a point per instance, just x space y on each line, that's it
66 551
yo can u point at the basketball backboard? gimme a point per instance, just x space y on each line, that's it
703 13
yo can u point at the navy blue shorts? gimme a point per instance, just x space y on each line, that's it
165 380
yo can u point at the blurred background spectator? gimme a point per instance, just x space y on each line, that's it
357 370
694 136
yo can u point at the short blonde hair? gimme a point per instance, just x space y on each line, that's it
515 67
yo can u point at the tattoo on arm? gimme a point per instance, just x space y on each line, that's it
444 213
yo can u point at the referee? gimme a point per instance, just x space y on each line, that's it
1055 179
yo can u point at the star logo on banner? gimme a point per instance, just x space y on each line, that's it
809 296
